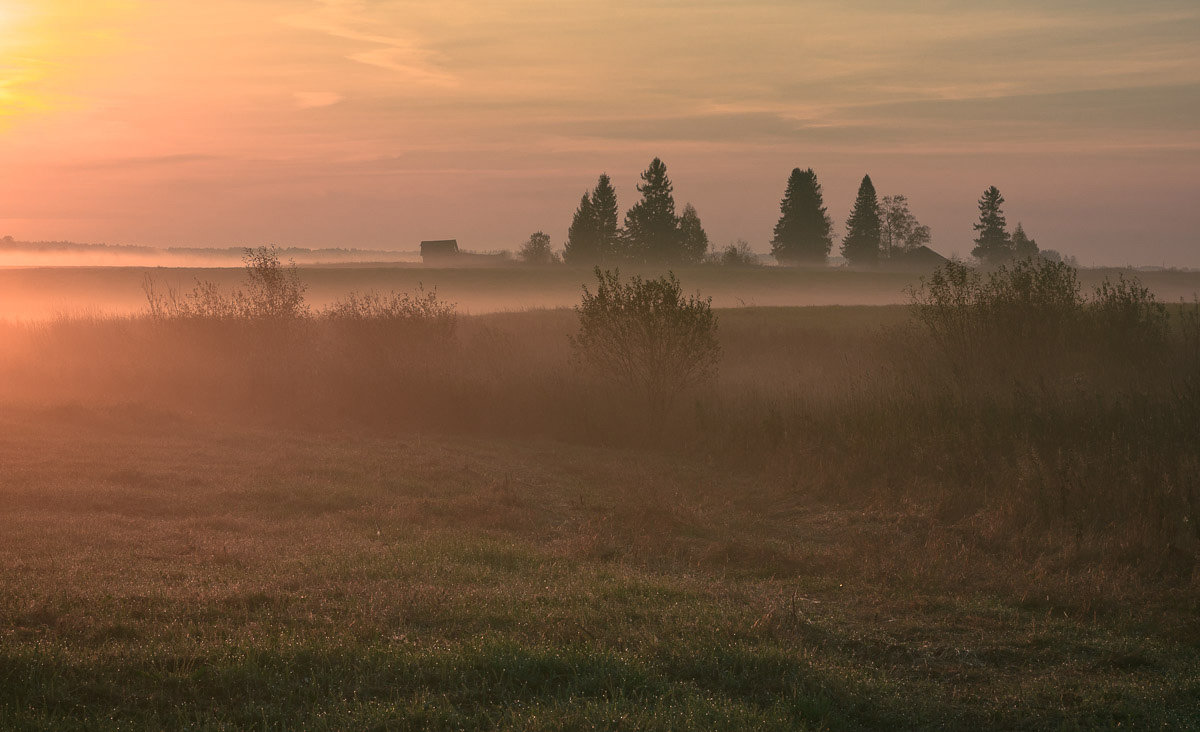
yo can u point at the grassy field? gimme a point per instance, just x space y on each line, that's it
241 524
160 572
47 291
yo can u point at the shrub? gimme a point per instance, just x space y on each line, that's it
537 250
737 254
1022 316
1128 317
423 313
948 304
1032 302
647 337
272 291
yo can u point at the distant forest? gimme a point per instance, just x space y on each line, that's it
301 255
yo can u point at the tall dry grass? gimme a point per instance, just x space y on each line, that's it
1026 417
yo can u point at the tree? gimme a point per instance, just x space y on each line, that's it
537 250
604 210
1023 247
804 231
992 245
736 254
647 337
899 230
693 239
583 238
861 245
651 229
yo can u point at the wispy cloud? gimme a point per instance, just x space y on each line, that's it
393 51
315 99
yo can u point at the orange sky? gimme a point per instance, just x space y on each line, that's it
379 123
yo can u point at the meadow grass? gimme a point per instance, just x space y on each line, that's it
345 523
162 572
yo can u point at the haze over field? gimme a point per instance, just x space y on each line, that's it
377 124
291 438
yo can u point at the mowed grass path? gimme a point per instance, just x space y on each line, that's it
159 572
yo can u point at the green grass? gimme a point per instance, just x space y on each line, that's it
161 571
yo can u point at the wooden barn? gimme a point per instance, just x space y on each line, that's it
439 250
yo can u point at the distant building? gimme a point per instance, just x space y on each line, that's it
439 250
919 258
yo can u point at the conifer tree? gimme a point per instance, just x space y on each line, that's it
804 231
1023 246
604 209
693 239
651 229
583 240
861 244
993 244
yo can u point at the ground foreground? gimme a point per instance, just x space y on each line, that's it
159 571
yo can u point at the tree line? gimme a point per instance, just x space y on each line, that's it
877 230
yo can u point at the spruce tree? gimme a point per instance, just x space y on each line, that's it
651 229
693 239
992 245
583 241
861 245
604 209
1023 246
804 231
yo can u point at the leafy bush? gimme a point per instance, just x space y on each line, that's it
537 250
646 336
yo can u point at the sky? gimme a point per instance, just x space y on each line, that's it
379 123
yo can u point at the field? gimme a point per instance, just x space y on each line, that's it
253 525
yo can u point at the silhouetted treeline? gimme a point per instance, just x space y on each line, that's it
9 244
878 230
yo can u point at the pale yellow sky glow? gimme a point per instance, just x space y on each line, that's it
377 124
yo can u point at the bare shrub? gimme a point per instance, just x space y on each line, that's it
947 304
1024 313
737 254
424 312
1128 317
272 291
1033 302
647 337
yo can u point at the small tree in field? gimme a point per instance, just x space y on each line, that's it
537 250
862 242
993 245
647 337
273 290
804 232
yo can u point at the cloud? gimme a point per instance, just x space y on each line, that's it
393 51
315 99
